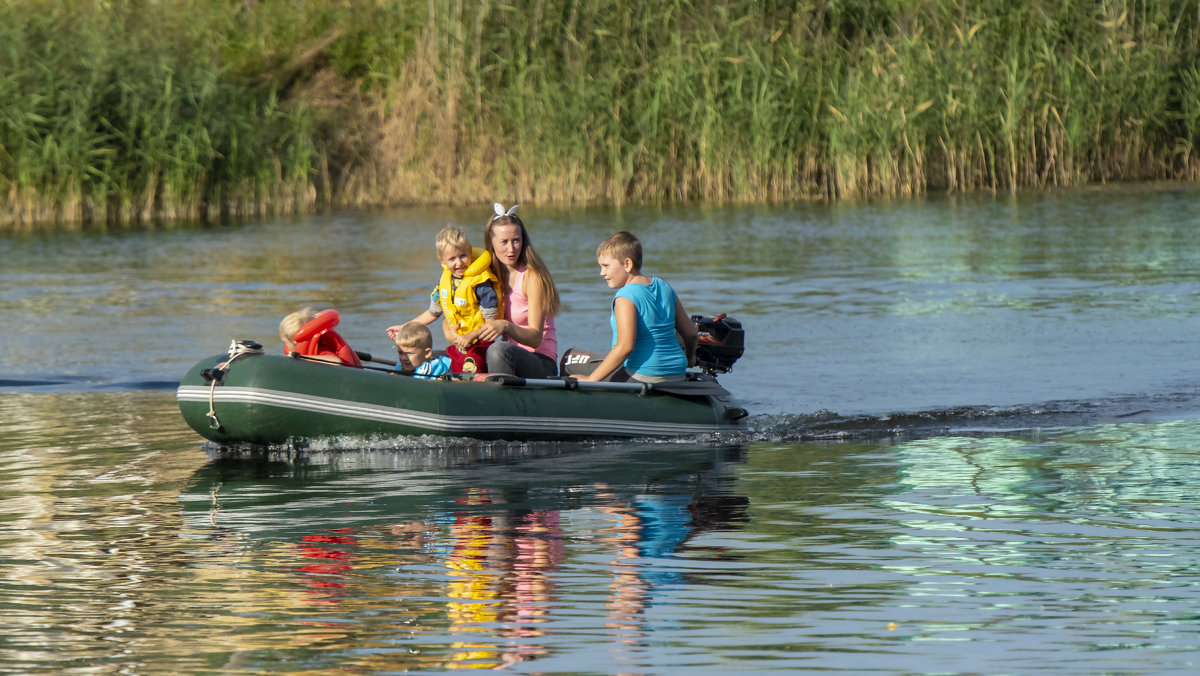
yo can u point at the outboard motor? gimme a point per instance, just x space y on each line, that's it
721 343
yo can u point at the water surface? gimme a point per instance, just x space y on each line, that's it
973 449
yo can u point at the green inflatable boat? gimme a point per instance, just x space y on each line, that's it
248 397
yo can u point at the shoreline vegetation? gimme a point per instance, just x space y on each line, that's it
125 111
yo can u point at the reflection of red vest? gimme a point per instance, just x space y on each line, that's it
317 337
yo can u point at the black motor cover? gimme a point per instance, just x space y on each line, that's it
722 342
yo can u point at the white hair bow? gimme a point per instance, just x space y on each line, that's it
499 209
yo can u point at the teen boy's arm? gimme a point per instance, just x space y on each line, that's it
626 314
687 329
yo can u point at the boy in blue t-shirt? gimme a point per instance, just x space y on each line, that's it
415 344
646 313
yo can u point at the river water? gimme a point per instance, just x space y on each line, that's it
973 448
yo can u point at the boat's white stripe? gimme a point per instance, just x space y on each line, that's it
426 420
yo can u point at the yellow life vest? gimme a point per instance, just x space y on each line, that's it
459 303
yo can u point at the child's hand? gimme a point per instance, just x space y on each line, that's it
392 331
464 342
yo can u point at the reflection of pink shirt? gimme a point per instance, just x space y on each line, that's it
517 310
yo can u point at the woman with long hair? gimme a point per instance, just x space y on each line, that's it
529 348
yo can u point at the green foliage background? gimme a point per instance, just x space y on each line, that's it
124 110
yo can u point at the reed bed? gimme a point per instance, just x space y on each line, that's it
136 110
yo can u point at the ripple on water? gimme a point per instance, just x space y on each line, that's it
1071 550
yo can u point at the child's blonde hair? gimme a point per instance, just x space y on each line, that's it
292 323
414 335
620 246
452 237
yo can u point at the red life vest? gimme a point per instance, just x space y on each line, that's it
317 337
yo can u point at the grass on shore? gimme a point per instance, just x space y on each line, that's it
136 110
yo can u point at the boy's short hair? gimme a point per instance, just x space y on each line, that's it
414 334
452 237
292 323
620 246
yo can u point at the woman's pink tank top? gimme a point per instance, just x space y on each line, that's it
517 309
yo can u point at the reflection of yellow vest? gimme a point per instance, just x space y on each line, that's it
478 592
457 296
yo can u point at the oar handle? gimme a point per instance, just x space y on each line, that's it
367 356
569 383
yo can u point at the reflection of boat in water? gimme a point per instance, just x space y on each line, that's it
359 488
251 397
464 563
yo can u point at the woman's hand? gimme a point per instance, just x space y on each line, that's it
494 329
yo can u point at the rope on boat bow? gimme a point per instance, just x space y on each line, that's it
214 376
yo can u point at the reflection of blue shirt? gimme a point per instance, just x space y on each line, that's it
433 368
655 350
665 523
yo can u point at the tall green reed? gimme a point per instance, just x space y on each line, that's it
137 110
130 110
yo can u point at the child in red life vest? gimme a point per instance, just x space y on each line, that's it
466 296
310 334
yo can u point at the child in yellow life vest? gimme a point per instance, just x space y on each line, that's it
467 296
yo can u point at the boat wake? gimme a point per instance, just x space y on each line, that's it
973 420
429 451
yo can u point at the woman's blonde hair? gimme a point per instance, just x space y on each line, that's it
528 258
